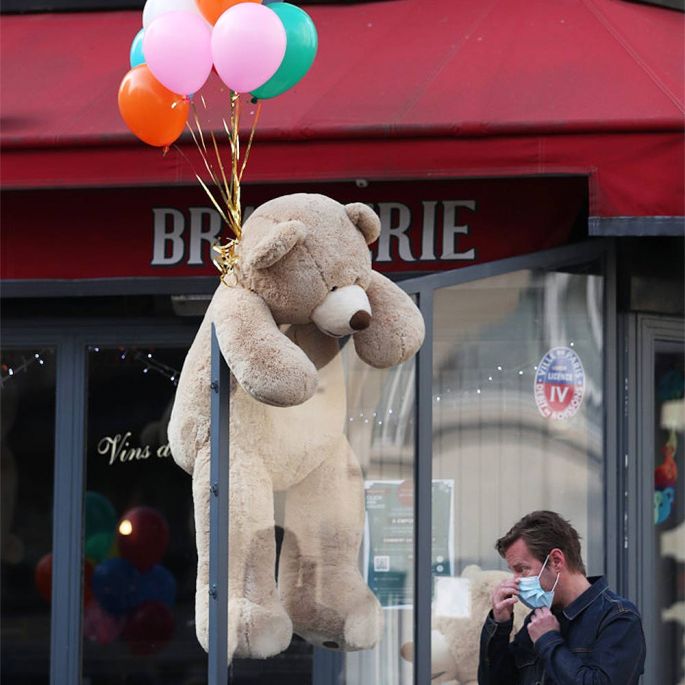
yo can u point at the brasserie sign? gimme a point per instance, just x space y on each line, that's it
427 225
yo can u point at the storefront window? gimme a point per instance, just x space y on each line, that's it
380 429
517 427
139 553
27 419
668 564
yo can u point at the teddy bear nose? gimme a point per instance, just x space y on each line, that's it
360 320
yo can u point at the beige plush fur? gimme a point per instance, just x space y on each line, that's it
302 258
455 640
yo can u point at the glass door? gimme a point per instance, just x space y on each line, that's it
518 426
659 495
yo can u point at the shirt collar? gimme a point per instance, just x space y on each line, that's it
598 585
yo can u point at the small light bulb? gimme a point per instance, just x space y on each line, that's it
125 527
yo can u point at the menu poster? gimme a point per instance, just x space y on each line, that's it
389 538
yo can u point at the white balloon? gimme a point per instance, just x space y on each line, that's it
155 8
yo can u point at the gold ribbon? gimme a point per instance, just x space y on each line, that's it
226 194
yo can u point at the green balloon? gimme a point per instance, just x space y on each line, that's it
101 522
300 50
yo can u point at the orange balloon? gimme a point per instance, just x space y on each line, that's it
151 111
213 9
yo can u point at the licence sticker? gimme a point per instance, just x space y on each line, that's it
559 384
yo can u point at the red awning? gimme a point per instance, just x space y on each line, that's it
401 89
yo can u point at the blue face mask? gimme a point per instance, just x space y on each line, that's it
531 592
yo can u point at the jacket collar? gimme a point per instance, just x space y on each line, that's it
598 585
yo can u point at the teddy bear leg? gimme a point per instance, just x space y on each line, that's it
319 579
258 625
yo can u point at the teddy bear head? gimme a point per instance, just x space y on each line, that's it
307 257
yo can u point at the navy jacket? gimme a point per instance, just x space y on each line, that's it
601 643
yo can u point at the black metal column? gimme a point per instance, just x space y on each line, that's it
218 518
423 493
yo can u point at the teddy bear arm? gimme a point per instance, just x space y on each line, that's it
268 365
397 329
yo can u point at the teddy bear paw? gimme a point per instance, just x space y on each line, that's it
257 631
363 626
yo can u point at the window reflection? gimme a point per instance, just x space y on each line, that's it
27 420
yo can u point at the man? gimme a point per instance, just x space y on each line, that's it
578 630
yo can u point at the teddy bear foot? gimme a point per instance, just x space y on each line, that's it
257 632
254 631
360 629
363 627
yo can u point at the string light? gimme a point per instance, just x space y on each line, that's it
151 364
147 360
9 371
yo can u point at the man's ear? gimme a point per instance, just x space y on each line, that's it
277 244
557 559
365 219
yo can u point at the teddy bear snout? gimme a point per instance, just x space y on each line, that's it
360 321
344 310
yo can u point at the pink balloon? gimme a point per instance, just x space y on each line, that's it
99 626
248 45
177 48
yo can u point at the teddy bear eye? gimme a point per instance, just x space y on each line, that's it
335 287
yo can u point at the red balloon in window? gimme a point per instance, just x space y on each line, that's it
142 537
148 628
43 578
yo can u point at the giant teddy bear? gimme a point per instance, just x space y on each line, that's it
455 638
303 279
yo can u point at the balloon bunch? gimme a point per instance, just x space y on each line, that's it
253 47
129 595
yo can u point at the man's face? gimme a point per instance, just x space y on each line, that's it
523 564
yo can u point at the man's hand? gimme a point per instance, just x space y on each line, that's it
542 622
504 596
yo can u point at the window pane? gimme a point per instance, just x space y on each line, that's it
27 417
518 425
381 425
668 564
138 616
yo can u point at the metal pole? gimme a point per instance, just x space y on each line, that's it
423 493
218 518
67 530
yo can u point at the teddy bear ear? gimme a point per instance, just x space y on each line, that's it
365 219
277 244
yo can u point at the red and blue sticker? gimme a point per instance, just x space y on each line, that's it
559 384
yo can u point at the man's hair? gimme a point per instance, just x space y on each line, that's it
542 531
